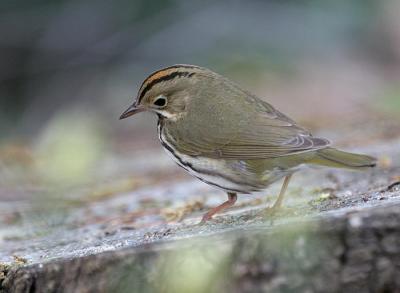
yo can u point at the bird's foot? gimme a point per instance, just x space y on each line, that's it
270 212
205 219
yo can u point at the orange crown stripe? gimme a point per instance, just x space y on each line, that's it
162 75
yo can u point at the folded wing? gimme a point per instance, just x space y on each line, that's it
264 133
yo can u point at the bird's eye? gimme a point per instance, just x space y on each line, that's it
161 101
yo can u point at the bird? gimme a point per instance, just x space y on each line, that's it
228 137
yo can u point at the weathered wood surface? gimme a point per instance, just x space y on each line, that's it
357 252
339 232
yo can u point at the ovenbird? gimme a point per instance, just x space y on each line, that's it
229 138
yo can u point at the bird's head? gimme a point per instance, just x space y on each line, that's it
168 91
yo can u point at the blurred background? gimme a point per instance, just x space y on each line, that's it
89 57
69 68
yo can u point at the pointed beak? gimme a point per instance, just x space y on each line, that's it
131 110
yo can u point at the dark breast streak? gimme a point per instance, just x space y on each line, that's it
189 166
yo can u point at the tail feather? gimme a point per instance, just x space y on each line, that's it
335 158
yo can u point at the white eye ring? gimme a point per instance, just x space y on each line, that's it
160 101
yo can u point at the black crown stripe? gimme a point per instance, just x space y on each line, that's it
170 76
162 79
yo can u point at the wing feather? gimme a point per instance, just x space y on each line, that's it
261 132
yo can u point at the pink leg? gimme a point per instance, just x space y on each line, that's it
278 202
230 202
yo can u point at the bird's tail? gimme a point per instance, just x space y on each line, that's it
335 158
